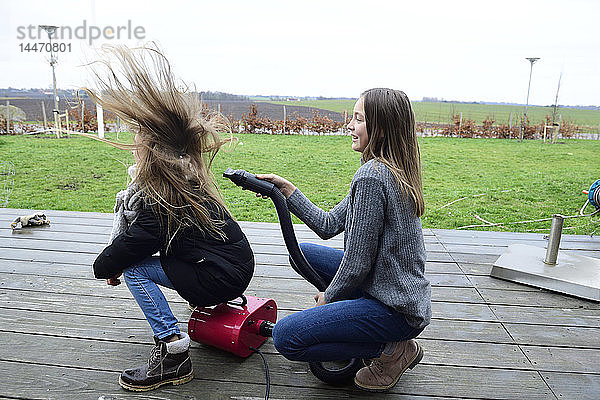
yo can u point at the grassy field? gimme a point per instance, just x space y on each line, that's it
528 180
443 112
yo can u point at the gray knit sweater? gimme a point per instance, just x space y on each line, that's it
384 253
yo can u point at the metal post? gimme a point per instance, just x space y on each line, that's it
284 118
100 119
7 116
44 114
532 60
67 122
51 29
554 239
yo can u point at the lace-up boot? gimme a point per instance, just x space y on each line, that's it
384 372
169 363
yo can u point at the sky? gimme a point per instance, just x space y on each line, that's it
453 50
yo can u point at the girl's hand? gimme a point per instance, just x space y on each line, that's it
286 187
114 281
320 299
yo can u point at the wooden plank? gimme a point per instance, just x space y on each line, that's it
468 331
562 359
475 268
443 234
66 257
33 347
474 354
287 292
473 258
107 327
439 257
482 383
220 366
121 304
442 267
537 298
549 335
70 383
488 282
462 311
569 386
548 316
500 242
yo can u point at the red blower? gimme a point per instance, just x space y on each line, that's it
234 327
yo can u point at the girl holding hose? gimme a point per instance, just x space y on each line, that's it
378 299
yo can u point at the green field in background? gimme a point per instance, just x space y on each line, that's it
443 112
521 181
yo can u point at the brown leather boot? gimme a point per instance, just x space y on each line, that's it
169 363
383 372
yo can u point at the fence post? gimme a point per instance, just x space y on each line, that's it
67 122
7 116
118 127
100 118
44 114
284 118
459 124
82 113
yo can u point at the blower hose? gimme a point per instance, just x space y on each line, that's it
250 182
336 375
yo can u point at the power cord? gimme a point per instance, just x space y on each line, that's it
266 371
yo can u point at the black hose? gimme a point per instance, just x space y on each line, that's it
250 182
268 378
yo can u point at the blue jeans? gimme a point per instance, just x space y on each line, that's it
355 328
142 280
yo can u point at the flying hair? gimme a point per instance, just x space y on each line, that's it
177 139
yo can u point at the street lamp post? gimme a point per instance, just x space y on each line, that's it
51 29
532 60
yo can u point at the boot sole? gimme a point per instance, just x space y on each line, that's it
413 363
175 381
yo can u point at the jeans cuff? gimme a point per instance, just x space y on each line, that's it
167 333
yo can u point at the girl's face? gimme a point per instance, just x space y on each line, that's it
358 127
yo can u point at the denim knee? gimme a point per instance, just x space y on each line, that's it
286 341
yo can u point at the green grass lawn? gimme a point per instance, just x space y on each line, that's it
528 180
443 112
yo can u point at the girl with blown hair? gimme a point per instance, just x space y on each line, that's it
172 208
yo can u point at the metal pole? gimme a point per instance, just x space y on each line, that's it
7 116
50 29
532 60
554 239
44 114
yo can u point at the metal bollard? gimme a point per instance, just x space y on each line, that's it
554 239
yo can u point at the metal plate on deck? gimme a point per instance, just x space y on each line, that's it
573 274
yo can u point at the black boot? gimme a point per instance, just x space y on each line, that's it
168 363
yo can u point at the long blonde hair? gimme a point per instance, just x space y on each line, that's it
176 144
392 140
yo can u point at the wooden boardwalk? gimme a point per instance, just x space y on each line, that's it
67 335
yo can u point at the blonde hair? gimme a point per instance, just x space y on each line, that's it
176 144
392 140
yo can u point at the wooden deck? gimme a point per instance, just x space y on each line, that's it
67 335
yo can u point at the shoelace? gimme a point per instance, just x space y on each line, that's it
154 356
377 366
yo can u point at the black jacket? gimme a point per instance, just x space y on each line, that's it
204 270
